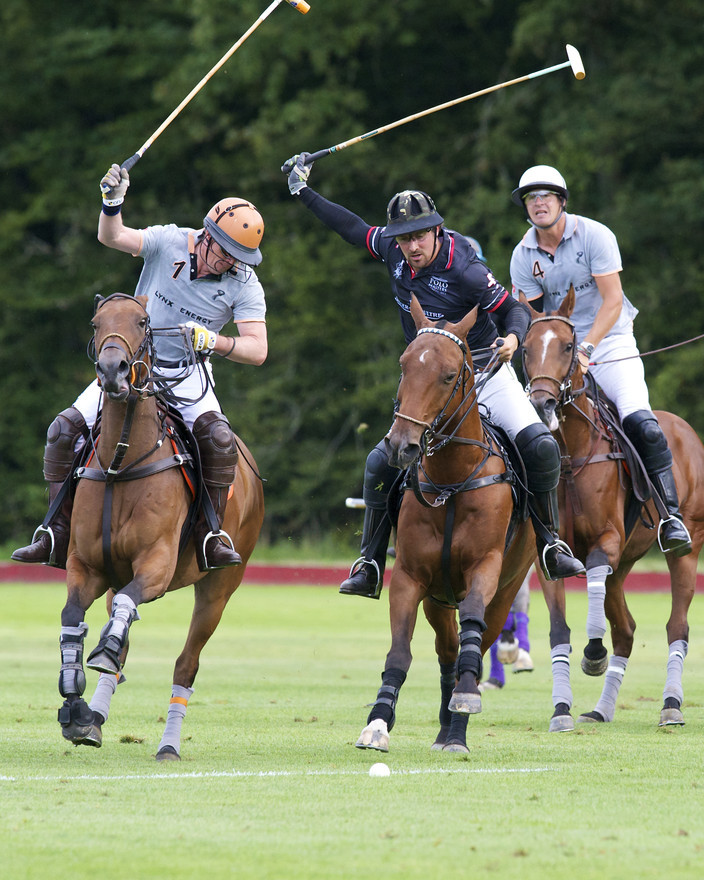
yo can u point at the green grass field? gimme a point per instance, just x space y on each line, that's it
271 786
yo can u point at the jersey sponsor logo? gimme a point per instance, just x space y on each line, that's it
439 285
165 300
580 254
398 269
194 317
490 280
537 270
217 295
433 316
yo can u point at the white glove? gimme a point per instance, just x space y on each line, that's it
114 185
203 339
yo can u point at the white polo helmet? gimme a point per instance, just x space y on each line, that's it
539 177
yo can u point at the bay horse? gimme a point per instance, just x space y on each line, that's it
595 489
449 551
125 530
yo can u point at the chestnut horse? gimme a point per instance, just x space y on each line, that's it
449 550
594 491
126 526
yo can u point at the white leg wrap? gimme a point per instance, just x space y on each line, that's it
596 593
675 666
561 687
103 694
177 712
606 706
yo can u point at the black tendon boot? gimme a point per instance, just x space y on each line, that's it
218 454
50 541
541 457
651 444
367 573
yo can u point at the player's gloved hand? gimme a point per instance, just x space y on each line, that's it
298 172
114 185
203 339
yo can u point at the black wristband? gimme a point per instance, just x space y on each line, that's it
111 211
232 348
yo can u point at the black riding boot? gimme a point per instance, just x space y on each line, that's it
50 542
651 444
367 573
556 559
218 455
541 457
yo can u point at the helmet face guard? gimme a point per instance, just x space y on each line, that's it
410 211
539 177
237 226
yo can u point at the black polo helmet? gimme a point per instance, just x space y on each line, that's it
410 211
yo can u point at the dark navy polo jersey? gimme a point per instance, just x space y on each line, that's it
448 288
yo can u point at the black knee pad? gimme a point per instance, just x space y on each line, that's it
541 456
649 440
61 439
218 448
379 477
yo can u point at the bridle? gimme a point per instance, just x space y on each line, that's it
431 432
565 393
139 361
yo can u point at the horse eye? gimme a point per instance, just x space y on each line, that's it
143 322
449 378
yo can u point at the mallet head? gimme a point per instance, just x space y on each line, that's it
303 7
575 60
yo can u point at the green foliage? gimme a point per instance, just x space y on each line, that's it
85 84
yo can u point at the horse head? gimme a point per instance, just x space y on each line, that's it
550 362
122 343
436 376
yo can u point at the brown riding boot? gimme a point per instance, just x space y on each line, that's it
50 543
218 455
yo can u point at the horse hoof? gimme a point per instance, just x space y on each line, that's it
466 704
594 717
102 661
167 753
561 720
596 666
78 724
507 650
524 662
455 747
374 736
671 716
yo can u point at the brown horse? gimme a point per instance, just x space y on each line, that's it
449 550
594 490
125 530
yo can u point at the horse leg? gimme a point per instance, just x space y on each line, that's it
560 650
108 654
211 596
623 628
452 736
404 598
595 659
683 571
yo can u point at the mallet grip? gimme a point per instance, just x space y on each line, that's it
127 165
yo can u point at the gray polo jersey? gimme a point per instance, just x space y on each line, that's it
175 298
587 249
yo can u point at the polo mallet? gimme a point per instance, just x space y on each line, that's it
300 5
574 61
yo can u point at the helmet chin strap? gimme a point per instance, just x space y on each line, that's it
550 225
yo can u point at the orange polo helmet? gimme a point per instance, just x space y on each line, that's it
237 226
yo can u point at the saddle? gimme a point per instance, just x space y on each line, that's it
627 458
186 457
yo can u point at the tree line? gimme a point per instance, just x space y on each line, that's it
85 84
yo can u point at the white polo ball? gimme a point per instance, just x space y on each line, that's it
379 769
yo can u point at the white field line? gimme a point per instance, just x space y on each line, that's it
264 774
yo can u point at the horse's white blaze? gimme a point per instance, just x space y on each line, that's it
548 337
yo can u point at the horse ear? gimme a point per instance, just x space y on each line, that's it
98 300
567 304
142 299
463 327
418 314
522 298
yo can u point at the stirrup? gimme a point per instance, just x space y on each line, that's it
46 530
561 547
354 569
684 547
225 538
